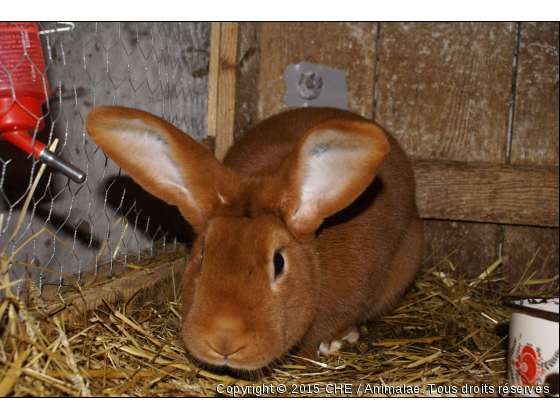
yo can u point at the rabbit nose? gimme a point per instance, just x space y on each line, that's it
226 336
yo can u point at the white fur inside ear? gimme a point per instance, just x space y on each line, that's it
147 148
329 169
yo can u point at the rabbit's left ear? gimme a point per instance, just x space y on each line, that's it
165 161
331 166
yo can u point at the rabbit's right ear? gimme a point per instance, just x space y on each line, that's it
164 161
332 164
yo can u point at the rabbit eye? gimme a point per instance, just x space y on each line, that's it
278 264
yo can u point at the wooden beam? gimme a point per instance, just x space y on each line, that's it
154 286
491 193
213 71
225 111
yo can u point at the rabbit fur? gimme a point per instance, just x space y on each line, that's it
307 230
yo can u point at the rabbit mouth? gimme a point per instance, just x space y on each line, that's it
235 361
246 357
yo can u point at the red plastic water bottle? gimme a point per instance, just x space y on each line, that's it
23 89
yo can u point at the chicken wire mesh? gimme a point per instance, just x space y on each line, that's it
70 228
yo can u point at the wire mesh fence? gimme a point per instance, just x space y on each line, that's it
51 226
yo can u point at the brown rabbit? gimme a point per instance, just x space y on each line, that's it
297 243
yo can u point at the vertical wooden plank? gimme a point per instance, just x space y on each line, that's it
535 142
475 245
226 88
444 88
520 245
213 70
535 129
346 46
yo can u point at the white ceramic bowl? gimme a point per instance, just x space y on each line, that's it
533 345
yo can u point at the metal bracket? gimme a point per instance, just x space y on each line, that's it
309 84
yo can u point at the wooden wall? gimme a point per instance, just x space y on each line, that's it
475 105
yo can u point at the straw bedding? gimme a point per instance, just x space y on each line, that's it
448 333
